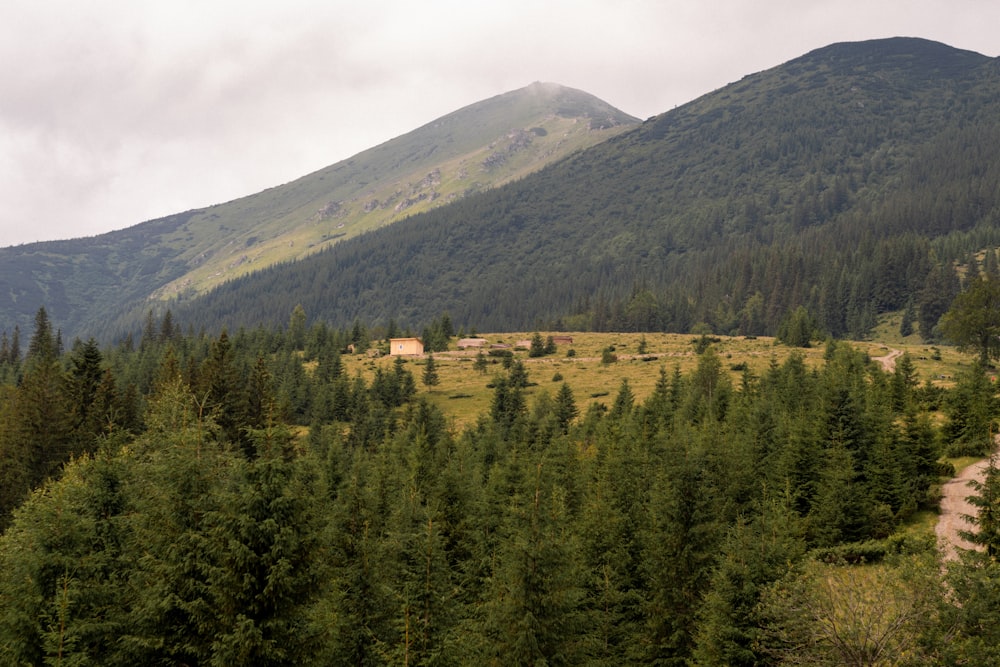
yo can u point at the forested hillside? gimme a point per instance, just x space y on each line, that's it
848 181
89 285
244 500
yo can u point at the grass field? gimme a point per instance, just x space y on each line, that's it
462 393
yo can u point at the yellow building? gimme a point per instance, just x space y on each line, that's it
405 346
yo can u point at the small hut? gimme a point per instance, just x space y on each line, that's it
401 347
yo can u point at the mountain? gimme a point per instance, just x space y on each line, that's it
87 284
849 181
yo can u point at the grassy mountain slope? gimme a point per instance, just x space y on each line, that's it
84 283
839 181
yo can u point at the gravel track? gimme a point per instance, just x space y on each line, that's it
955 507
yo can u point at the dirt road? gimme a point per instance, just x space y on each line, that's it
955 506
889 361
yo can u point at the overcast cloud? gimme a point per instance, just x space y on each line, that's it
113 112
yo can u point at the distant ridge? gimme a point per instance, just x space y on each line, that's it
88 284
849 182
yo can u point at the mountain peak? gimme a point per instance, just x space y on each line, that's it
921 57
473 149
542 97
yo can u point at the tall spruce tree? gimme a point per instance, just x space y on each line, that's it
262 554
430 377
64 590
533 609
679 549
755 553
986 519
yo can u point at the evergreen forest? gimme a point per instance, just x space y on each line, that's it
243 499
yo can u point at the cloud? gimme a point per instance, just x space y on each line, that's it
117 112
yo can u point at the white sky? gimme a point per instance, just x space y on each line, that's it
113 112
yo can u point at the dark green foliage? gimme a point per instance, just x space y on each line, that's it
430 377
565 409
550 345
518 375
297 328
263 557
909 316
438 334
971 409
538 348
986 518
679 550
38 434
798 329
534 605
632 532
709 389
754 555
939 290
973 320
224 385
976 616
507 405
822 189
65 562
624 402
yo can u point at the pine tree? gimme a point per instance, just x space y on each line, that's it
709 389
430 377
297 328
186 472
970 408
507 405
613 520
422 578
986 520
990 268
550 345
84 383
678 551
658 410
518 375
43 342
362 607
754 554
940 289
624 402
64 570
533 604
37 437
263 555
909 316
537 348
225 390
840 512
565 408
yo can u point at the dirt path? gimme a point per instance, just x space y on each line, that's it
955 506
889 361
